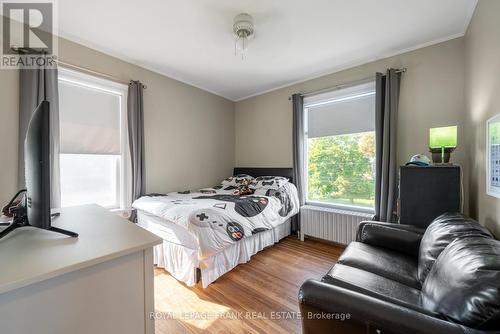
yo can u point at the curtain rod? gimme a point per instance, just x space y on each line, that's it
344 85
100 74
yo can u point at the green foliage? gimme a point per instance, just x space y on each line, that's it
340 169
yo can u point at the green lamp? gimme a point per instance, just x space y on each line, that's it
442 141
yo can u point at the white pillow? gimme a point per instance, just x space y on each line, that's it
268 182
236 180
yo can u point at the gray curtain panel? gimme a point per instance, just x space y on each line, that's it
135 116
386 111
298 153
35 86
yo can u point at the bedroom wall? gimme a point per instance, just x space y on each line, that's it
431 95
9 106
482 65
189 133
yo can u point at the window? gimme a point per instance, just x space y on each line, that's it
340 147
94 158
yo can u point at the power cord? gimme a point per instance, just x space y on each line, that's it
8 209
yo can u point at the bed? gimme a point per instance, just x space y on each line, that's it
208 232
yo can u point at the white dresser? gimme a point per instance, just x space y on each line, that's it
99 283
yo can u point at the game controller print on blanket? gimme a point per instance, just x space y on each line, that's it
217 218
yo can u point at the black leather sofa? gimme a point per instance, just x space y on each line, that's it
400 279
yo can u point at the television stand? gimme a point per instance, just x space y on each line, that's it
62 282
23 222
63 231
11 227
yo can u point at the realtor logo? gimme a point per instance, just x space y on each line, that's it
28 34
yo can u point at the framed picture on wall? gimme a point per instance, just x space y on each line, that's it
493 156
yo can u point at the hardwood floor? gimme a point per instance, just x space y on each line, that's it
250 298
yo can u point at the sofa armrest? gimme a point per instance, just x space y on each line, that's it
397 237
354 312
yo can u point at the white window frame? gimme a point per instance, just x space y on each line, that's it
347 207
89 81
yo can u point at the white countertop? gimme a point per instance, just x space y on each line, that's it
30 255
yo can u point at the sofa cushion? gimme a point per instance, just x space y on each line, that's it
440 233
464 283
383 262
376 286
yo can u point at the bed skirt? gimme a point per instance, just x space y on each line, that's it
217 265
181 261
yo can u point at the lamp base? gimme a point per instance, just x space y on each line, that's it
441 155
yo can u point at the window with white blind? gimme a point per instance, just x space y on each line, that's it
94 158
340 147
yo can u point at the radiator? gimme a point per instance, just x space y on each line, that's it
335 225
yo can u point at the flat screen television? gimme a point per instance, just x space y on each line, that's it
36 209
37 167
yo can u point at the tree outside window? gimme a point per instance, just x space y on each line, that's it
341 169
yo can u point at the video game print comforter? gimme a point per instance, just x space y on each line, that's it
217 218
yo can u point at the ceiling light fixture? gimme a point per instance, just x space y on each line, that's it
243 31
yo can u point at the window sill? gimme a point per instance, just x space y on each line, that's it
339 207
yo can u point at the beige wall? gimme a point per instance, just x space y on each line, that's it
189 133
9 106
482 56
431 95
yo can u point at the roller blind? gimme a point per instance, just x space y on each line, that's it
344 111
90 120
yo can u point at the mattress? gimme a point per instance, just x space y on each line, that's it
168 231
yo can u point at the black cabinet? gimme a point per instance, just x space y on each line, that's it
427 192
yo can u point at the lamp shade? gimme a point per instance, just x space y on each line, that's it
443 137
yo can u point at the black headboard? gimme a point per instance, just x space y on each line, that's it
255 172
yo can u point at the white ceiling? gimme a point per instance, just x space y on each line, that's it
192 41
